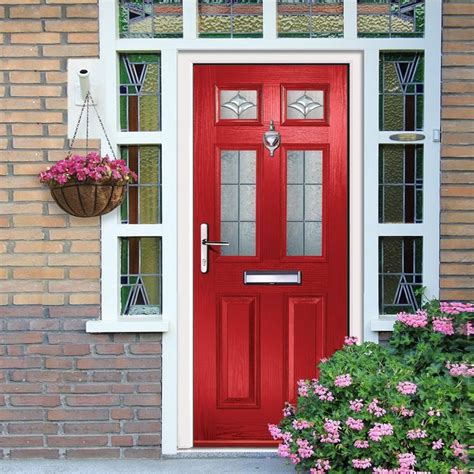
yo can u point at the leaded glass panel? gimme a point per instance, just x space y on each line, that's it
400 274
401 183
238 104
142 202
151 18
310 18
304 189
238 201
390 18
230 18
401 90
140 275
304 105
140 92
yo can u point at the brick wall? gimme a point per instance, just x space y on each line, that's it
457 163
63 393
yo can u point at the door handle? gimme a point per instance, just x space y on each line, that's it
205 244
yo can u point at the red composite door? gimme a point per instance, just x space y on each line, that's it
274 301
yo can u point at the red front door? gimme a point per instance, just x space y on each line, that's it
272 303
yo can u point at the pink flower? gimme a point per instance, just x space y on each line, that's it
287 437
407 388
295 459
350 341
459 450
305 450
437 444
417 320
355 424
275 432
322 465
322 392
460 370
362 463
456 307
332 432
406 460
375 409
343 380
444 326
468 329
403 411
301 424
416 434
284 451
361 444
288 410
379 430
433 412
356 405
302 388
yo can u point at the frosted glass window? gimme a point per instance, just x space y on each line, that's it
240 105
304 105
238 201
304 191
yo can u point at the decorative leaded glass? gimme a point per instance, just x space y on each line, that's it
304 105
151 18
140 92
310 18
142 202
140 275
238 105
238 201
390 18
400 273
401 183
304 202
230 18
401 90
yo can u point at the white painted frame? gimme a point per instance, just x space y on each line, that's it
273 49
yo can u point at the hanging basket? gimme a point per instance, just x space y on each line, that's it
88 200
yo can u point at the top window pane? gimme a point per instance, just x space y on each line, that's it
151 19
230 18
310 18
390 18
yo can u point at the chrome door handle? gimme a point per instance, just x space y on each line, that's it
209 242
205 244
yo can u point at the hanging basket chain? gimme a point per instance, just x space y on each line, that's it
87 102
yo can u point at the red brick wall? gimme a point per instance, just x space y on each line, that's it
63 393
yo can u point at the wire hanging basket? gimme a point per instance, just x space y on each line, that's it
88 186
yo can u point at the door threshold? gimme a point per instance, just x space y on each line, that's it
225 453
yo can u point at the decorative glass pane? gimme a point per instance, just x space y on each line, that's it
140 275
401 183
400 273
304 105
310 18
142 202
230 18
238 201
401 90
304 189
140 92
390 18
236 104
151 18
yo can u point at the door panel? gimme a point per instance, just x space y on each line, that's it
281 213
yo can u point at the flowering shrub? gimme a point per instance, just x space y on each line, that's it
400 409
88 169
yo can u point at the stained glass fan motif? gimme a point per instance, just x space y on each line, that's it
151 18
401 90
140 92
310 18
230 18
400 274
390 18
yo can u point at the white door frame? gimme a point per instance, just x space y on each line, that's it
183 429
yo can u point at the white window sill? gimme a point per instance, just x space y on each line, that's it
136 324
382 324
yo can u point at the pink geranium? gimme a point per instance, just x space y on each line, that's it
443 325
406 388
343 380
417 320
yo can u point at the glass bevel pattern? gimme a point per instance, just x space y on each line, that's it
238 104
304 105
390 18
238 201
310 18
401 90
151 18
400 274
140 275
230 18
401 183
140 92
142 202
304 190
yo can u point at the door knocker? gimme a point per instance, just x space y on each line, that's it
271 139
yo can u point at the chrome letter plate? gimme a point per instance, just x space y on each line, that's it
272 277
